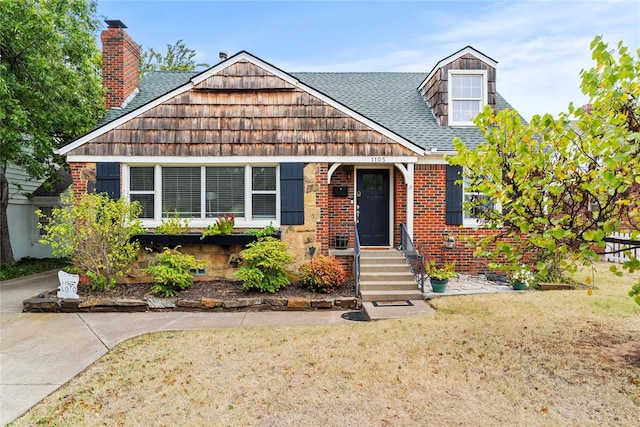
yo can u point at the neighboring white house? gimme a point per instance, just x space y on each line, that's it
25 197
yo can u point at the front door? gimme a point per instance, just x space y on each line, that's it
372 206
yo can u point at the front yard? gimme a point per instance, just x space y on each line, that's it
535 358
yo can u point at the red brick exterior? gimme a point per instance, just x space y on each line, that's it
84 177
429 222
120 61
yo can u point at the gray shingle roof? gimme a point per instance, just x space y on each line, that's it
390 99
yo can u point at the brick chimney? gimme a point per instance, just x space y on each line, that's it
120 61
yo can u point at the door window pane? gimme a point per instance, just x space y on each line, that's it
372 182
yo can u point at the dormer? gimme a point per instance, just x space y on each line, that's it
459 87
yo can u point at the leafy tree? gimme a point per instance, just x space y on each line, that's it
50 88
178 58
563 184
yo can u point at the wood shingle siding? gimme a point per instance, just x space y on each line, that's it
253 115
435 92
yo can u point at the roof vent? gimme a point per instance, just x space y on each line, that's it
222 55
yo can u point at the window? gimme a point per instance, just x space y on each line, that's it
141 189
263 192
43 220
480 204
201 192
224 191
467 95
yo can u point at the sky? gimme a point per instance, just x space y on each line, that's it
540 46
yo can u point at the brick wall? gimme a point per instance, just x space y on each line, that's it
84 177
120 61
430 224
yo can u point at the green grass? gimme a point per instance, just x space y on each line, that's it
28 266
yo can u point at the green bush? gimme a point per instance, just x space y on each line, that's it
322 274
95 232
173 225
264 264
224 225
171 272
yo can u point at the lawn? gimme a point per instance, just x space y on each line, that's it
28 266
534 358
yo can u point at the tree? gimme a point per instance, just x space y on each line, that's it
178 58
50 88
559 186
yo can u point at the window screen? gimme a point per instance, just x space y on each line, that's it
224 192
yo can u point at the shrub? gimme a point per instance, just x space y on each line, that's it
224 225
94 231
173 225
171 272
322 274
264 264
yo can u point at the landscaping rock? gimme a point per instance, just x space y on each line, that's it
160 303
322 303
298 303
276 302
186 303
211 302
242 302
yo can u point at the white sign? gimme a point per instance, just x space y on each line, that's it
68 285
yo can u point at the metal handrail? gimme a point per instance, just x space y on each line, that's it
413 257
356 259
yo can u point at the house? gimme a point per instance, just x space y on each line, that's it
312 153
26 195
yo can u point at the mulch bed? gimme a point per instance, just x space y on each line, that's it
218 289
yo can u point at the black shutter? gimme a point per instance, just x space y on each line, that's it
454 196
291 193
108 179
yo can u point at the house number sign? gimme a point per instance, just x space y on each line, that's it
378 159
68 285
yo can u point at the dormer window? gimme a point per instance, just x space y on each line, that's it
467 95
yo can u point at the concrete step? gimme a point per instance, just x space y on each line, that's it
393 286
389 253
396 309
386 277
384 268
390 295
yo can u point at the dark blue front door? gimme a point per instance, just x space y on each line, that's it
373 206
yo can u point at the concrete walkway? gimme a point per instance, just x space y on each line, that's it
39 352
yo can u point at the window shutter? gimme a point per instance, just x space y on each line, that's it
291 193
454 214
108 179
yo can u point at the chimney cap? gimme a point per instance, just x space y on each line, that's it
222 55
115 23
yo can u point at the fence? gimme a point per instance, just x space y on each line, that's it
619 256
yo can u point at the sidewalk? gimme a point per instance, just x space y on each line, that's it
39 352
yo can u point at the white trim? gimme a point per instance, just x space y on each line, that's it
216 69
409 195
331 170
245 222
241 160
453 57
483 96
391 194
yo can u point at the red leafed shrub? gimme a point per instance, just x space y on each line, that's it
322 274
